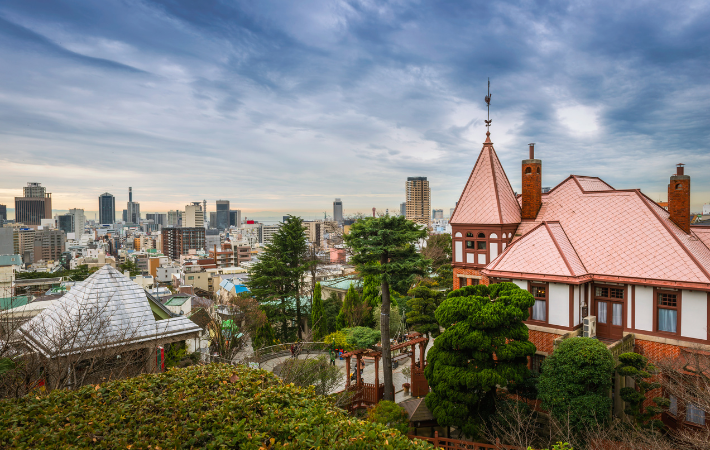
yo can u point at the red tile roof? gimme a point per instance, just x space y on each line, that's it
604 233
488 197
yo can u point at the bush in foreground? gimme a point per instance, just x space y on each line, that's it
214 406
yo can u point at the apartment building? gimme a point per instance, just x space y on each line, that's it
418 205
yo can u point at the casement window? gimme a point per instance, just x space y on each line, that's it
695 415
539 309
667 305
462 282
536 363
673 407
609 297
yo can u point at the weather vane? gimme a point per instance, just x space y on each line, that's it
488 103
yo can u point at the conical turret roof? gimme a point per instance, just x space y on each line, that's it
488 197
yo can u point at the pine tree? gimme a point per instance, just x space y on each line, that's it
485 347
641 371
421 307
389 241
370 298
353 310
317 315
264 336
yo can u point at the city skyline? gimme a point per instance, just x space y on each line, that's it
288 107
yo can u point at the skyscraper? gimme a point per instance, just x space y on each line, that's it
35 205
78 221
179 241
3 213
194 216
174 218
338 211
222 217
418 200
107 208
403 209
235 217
437 214
133 210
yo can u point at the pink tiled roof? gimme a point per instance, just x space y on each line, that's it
614 233
702 233
488 197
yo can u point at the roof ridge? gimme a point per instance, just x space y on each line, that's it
468 180
559 248
491 153
645 200
512 244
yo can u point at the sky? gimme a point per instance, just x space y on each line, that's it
281 106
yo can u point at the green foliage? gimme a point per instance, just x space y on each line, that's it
559 446
129 266
264 336
339 339
390 415
485 346
641 371
395 325
318 320
370 298
176 353
438 251
421 310
362 337
316 372
331 309
277 275
212 406
575 383
353 311
81 273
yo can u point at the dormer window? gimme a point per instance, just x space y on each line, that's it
481 235
469 234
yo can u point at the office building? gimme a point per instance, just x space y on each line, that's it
338 211
65 222
78 222
179 241
437 214
24 244
268 232
48 245
451 212
157 218
35 205
194 216
235 218
107 209
3 214
222 215
133 210
7 246
174 219
403 209
418 200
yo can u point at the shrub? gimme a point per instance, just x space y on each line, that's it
575 383
362 337
391 415
212 406
339 339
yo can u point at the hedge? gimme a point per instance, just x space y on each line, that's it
212 406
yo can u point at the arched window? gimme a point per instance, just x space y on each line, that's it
678 187
469 234
481 235
528 171
538 170
494 236
458 234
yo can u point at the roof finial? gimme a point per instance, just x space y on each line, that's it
488 103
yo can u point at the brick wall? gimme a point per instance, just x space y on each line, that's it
532 188
457 272
679 201
543 341
655 351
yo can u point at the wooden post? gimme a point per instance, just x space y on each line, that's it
421 355
414 354
377 377
358 369
347 372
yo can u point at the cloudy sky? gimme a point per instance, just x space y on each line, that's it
280 106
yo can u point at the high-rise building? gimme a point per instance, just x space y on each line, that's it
48 245
65 222
35 205
24 244
418 200
107 209
7 246
78 221
268 232
179 241
338 210
157 218
403 209
437 214
3 213
235 217
194 216
133 209
222 216
451 212
174 219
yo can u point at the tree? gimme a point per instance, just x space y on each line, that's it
485 346
638 368
353 310
370 298
575 382
362 337
391 415
422 306
331 309
390 241
129 266
316 372
277 276
264 336
317 315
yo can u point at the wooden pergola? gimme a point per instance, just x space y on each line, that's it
369 393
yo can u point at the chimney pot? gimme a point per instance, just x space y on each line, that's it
680 169
532 150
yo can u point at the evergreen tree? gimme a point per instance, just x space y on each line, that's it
641 371
390 241
331 309
318 315
264 336
353 310
277 276
485 346
370 298
422 306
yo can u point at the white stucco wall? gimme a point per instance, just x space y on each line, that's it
577 303
629 307
494 250
522 284
694 315
559 304
644 308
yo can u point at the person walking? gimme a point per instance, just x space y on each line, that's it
293 351
332 358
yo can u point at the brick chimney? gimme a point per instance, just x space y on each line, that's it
532 185
679 198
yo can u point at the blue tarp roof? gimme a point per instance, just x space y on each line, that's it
228 285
